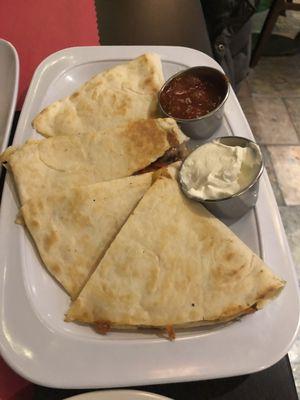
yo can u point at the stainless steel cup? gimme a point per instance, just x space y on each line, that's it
235 206
202 127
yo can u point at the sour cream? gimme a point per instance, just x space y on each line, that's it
215 170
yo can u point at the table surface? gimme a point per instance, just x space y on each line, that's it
273 383
176 23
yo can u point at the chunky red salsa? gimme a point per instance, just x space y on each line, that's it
190 96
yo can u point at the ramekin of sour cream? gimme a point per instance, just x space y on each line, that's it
224 175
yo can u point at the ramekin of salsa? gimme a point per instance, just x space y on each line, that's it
195 98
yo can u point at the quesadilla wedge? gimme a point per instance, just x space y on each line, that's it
73 228
173 264
122 93
68 161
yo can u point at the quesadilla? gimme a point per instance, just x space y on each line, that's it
123 93
72 160
173 264
73 228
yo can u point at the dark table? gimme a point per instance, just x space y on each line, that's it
271 384
178 23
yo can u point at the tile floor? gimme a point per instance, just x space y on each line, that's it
270 98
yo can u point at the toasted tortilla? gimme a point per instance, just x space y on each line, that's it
73 228
125 92
72 160
174 264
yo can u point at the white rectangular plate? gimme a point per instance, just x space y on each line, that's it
40 346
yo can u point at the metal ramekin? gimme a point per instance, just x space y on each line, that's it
235 206
202 127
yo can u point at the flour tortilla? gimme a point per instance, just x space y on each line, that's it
72 229
174 264
125 92
68 161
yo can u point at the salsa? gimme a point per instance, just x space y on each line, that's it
189 96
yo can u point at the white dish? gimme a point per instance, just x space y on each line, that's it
9 83
118 395
39 345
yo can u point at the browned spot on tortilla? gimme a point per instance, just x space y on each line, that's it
74 95
122 105
81 219
172 138
175 152
209 240
250 310
37 119
147 138
238 310
44 111
223 274
50 239
143 128
161 173
40 205
229 256
34 223
94 95
56 269
149 82
122 109
268 293
85 316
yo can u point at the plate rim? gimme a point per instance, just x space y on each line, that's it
144 395
13 99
